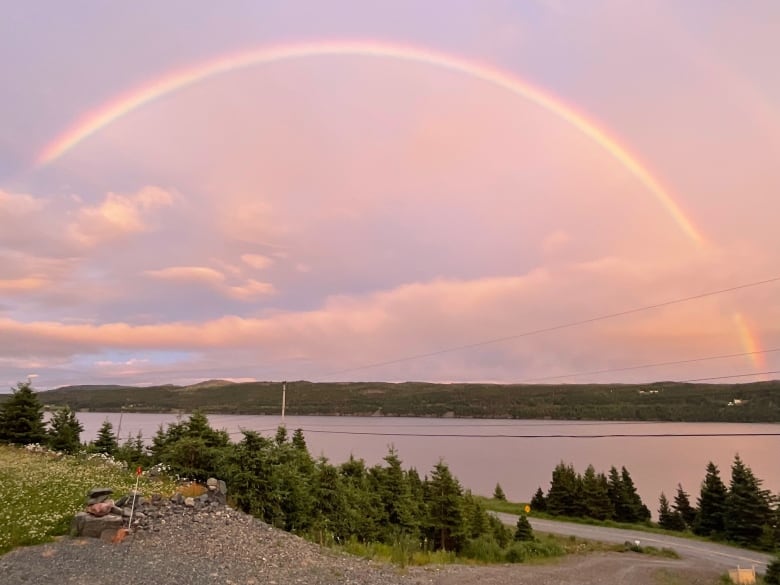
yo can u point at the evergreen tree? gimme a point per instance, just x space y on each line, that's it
639 512
444 523
331 504
396 494
539 502
747 506
475 516
668 518
772 575
617 496
298 440
65 431
711 503
595 495
563 498
682 504
21 417
106 440
498 493
191 448
523 529
133 451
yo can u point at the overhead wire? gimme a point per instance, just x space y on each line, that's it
548 329
651 365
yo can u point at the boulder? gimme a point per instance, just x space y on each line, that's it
101 508
85 524
98 495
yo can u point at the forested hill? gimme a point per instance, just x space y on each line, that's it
664 401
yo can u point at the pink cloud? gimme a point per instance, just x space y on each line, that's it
248 290
118 215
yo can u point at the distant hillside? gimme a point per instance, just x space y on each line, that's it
208 384
665 401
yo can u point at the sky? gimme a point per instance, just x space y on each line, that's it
389 191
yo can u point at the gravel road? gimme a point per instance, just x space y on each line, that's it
720 555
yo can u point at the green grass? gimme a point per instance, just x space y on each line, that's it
40 492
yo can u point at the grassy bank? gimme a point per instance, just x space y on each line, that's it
485 551
40 492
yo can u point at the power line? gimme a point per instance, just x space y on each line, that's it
653 365
559 327
732 376
542 436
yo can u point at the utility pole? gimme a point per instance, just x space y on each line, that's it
284 399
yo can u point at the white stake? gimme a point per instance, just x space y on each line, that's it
135 496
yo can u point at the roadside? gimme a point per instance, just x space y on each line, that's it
719 555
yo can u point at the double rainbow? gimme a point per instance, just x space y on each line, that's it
105 115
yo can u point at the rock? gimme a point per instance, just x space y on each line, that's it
85 524
101 508
98 495
156 499
98 492
127 500
212 484
177 498
116 510
189 502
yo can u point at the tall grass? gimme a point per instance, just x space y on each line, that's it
41 491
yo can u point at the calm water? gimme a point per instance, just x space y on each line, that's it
519 464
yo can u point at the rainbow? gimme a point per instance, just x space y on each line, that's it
750 342
105 115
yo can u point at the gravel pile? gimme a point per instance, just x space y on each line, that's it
186 546
189 545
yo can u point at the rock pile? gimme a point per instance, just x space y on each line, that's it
104 517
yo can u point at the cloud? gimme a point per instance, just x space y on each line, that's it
351 331
257 261
14 206
215 279
22 285
118 215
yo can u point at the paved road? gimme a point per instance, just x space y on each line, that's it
721 555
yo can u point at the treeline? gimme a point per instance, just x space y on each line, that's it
591 495
278 481
742 513
662 401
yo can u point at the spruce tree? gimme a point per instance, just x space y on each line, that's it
106 440
595 496
747 506
539 502
772 575
396 493
564 496
711 503
638 511
65 431
21 417
523 529
498 493
668 518
445 518
682 504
